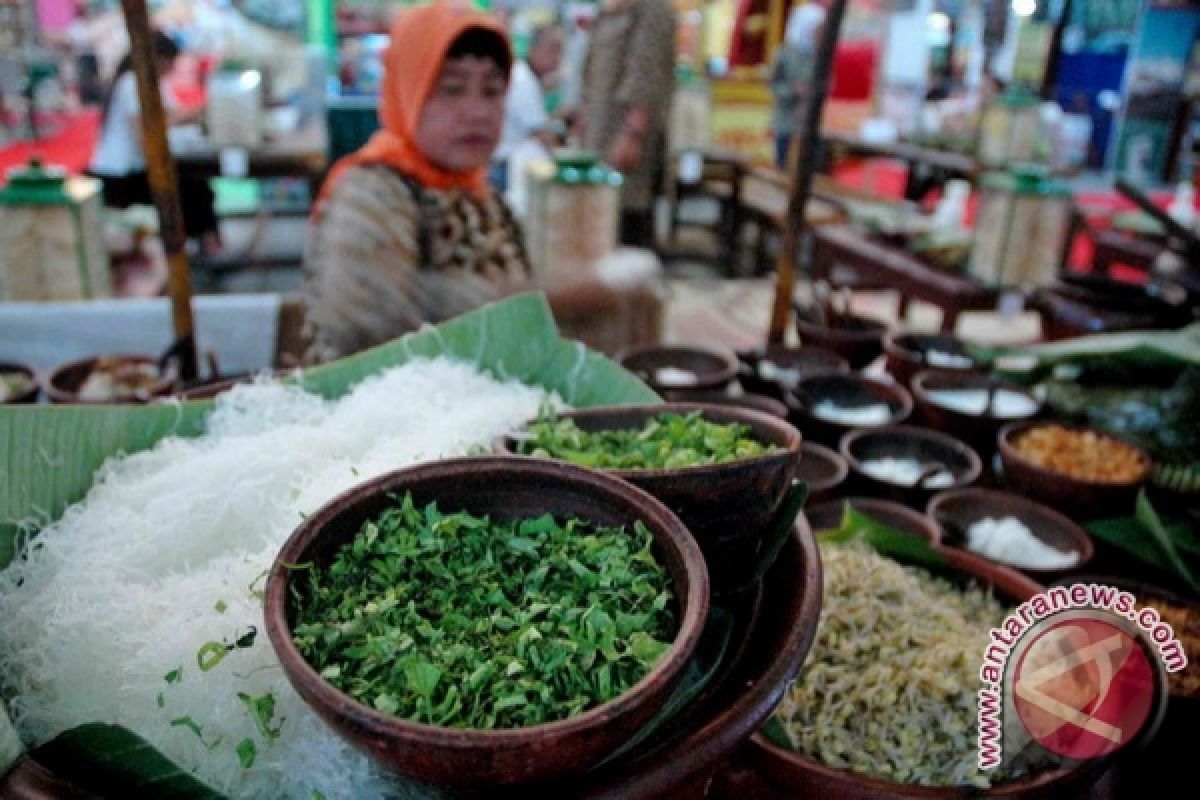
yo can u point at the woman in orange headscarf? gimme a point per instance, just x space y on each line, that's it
406 230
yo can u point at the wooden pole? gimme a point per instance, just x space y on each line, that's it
164 183
810 131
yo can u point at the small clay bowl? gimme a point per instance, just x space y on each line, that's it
712 367
976 429
857 339
212 389
719 503
756 402
902 441
828 516
29 395
906 354
847 391
804 362
1087 499
788 775
504 489
65 382
956 511
822 470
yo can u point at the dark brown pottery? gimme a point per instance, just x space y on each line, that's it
1082 499
718 503
804 362
29 395
847 391
504 488
822 470
757 402
956 511
64 383
905 354
210 390
903 441
977 430
857 339
714 367
828 516
793 775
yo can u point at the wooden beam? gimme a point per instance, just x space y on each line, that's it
810 131
164 182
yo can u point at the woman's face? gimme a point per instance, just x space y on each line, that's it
461 122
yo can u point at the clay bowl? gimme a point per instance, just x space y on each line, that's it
29 395
823 470
727 507
505 489
755 402
906 354
903 441
956 511
784 774
776 370
828 516
977 429
212 389
857 339
1088 499
712 367
64 383
847 391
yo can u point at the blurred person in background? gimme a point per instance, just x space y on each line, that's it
119 160
792 74
525 114
407 231
628 86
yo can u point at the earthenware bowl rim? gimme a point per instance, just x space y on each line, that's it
929 529
967 379
974 462
726 374
159 389
893 346
907 404
30 372
827 454
1086 549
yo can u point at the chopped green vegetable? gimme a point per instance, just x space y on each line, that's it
262 709
221 607
174 676
246 753
191 725
211 654
668 441
456 620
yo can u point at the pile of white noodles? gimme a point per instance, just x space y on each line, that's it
127 586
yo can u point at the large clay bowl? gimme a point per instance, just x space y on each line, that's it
906 354
30 395
505 489
784 774
976 429
849 391
956 511
64 383
725 506
1087 499
903 441
857 339
776 370
712 367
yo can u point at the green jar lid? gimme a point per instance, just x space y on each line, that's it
583 168
1019 98
36 185
998 181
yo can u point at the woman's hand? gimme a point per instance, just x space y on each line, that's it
625 152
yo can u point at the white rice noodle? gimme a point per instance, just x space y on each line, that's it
123 588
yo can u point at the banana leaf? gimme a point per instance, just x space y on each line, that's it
1123 351
52 452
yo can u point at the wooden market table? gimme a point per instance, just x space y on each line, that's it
846 257
919 160
1114 247
303 153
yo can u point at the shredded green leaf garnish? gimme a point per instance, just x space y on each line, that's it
211 654
191 725
221 607
246 752
669 441
174 676
456 620
262 710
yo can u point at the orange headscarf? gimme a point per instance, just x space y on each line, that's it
420 38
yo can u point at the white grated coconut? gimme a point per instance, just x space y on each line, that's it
125 587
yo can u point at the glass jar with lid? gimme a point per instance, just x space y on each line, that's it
1011 132
1021 229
